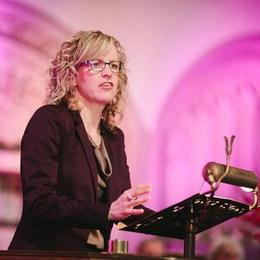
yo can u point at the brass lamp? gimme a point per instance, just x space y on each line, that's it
215 173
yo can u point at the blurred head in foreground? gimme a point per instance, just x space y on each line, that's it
152 247
226 249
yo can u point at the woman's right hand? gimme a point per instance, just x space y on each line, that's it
123 207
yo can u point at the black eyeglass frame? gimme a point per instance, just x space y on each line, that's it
88 63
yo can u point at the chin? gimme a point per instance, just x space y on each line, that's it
105 102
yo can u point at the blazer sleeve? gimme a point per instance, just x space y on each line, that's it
40 152
126 182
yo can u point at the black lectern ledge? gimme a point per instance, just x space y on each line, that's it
201 211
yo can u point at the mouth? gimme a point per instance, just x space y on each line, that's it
106 85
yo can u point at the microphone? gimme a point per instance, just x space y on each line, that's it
213 171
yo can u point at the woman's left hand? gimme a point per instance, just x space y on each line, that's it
125 205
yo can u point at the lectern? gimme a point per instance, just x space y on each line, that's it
201 211
186 219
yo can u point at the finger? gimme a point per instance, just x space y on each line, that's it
137 212
134 211
140 190
138 201
129 196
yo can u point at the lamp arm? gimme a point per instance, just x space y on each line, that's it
228 148
255 203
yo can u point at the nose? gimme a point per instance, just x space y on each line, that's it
107 71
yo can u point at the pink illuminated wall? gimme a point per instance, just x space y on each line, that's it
27 40
193 78
218 96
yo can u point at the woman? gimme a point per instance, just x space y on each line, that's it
74 172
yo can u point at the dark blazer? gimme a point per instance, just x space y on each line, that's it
59 181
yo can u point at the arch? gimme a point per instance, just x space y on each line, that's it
219 95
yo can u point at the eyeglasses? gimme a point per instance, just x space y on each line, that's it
99 65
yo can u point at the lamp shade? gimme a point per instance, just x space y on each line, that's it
213 171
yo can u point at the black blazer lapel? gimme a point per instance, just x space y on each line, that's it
88 150
111 158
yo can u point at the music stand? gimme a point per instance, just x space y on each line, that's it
187 218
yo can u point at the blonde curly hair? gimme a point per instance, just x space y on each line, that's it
83 46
